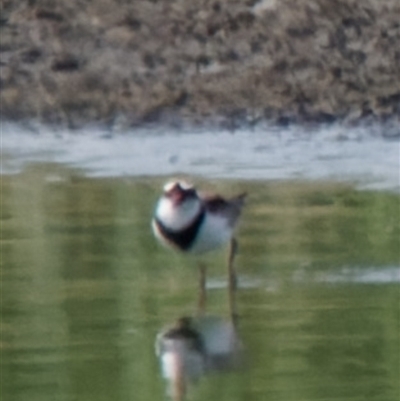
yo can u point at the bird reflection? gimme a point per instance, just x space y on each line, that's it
183 358
194 346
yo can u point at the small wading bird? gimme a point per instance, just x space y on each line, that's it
194 223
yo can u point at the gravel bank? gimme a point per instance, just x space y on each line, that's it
220 61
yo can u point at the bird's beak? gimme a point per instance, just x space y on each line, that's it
177 197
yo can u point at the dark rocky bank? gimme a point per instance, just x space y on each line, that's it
221 61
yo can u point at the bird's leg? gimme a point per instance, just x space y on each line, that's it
201 302
232 280
178 385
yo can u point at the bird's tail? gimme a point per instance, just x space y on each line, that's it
239 200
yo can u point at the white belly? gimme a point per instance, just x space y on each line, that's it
214 233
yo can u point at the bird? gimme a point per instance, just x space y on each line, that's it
191 222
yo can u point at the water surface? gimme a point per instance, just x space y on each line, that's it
367 156
86 289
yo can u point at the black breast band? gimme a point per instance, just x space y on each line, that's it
183 239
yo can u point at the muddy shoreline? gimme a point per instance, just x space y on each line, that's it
224 62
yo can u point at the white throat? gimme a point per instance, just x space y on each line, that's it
180 216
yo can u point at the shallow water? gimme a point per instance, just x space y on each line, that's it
368 157
85 290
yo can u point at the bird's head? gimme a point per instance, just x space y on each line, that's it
178 192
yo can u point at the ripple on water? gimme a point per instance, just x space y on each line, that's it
345 275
